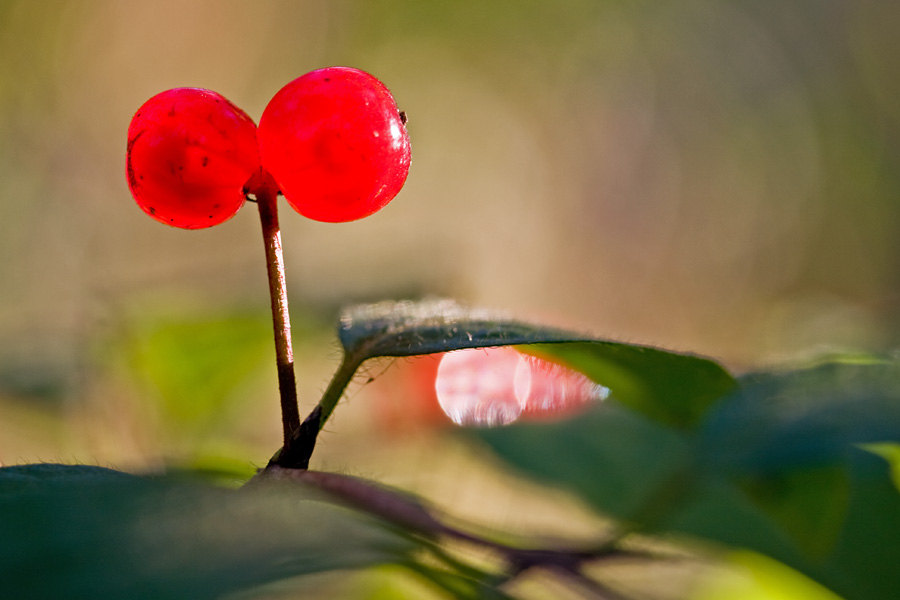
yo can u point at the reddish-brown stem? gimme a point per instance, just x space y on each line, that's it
266 197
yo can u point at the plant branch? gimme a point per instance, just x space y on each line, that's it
404 510
339 382
296 452
266 197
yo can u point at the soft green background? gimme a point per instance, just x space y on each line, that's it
717 177
709 176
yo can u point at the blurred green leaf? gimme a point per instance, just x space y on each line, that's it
671 388
889 452
863 564
807 417
86 532
196 364
454 585
392 582
613 458
218 470
856 554
752 576
792 442
37 477
784 466
807 504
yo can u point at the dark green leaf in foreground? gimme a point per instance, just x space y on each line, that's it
782 466
668 387
804 417
793 443
855 553
86 532
613 458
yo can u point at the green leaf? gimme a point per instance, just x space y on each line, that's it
863 564
790 465
86 532
614 459
856 554
752 576
414 328
890 452
803 418
668 387
37 477
787 440
795 444
808 504
674 389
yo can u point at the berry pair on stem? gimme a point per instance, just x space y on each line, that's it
332 142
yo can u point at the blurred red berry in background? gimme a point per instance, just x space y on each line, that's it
482 387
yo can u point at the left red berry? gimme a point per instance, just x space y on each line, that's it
190 154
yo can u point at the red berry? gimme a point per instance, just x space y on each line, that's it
336 144
190 153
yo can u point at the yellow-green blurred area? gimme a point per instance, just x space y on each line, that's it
708 176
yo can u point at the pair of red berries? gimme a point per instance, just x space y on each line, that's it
332 142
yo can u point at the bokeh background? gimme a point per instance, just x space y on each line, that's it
709 176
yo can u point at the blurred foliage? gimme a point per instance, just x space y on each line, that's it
776 467
792 465
889 452
703 175
756 577
112 535
196 366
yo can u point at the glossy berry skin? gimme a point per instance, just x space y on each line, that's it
190 154
336 144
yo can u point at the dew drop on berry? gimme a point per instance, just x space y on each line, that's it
190 152
335 142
